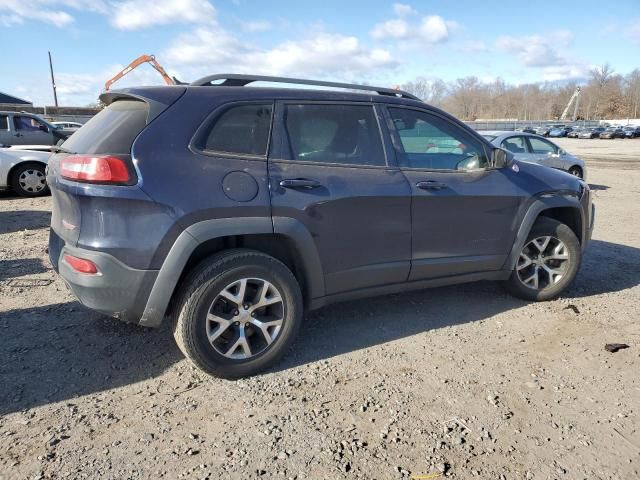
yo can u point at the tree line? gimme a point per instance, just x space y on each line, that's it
604 95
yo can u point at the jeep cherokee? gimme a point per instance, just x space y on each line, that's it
232 208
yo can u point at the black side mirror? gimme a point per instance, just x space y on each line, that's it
501 158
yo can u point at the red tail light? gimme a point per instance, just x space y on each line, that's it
80 264
95 169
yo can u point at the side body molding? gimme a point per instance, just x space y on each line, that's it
536 207
200 232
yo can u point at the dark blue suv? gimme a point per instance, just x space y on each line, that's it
231 209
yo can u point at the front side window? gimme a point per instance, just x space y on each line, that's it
515 144
27 123
341 134
539 145
4 122
241 130
433 143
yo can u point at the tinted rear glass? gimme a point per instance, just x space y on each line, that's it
242 130
112 130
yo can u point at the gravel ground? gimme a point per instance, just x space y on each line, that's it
463 381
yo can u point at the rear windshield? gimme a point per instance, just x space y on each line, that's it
112 130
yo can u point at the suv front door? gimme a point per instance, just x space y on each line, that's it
328 171
30 131
462 210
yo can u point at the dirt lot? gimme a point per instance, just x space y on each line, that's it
462 380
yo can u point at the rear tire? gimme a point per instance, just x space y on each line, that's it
548 262
239 311
28 179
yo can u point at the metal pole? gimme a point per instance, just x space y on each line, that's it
53 81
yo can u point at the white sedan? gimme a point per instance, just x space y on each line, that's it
23 171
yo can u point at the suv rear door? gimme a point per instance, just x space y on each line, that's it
328 170
462 210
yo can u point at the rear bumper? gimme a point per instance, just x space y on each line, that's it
116 290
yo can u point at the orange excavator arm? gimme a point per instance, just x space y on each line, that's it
135 64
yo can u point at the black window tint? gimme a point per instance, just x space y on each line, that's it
431 142
112 130
4 122
344 134
243 129
515 144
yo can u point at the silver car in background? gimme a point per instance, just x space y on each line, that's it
535 149
23 171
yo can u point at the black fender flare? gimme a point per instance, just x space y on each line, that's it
200 232
536 207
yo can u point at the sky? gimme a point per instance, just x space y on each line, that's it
377 42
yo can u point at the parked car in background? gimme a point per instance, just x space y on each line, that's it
611 133
67 125
527 129
542 130
532 148
632 132
575 132
23 171
20 128
557 132
591 132
285 200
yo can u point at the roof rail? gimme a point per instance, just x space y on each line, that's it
239 80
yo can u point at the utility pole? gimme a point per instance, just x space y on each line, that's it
53 81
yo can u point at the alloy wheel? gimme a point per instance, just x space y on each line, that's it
543 262
245 318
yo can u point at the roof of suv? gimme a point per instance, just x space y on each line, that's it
234 86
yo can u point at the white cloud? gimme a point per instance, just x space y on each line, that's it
15 12
430 28
124 15
208 50
537 50
134 14
434 29
254 26
396 28
403 10
577 71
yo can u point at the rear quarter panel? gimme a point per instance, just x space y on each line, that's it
186 183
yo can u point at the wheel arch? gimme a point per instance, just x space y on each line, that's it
21 162
561 208
284 239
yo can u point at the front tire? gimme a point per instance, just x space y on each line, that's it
238 314
29 180
576 171
547 263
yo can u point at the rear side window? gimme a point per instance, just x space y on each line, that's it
4 122
342 134
241 130
113 130
515 144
